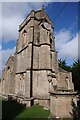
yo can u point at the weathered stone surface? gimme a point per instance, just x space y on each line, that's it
61 105
8 77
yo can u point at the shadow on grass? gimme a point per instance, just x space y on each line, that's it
10 109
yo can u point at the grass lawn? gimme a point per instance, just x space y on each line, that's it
34 112
13 111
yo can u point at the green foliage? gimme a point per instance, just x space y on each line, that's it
76 74
63 65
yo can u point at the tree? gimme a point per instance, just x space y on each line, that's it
76 74
63 65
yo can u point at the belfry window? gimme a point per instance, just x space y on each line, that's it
50 43
8 72
23 37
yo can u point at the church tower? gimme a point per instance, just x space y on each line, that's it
36 57
37 70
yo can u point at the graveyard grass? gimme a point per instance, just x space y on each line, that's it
14 111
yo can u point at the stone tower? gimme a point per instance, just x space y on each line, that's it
36 57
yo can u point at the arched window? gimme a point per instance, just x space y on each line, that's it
8 79
24 31
8 68
52 43
8 72
68 83
24 37
22 89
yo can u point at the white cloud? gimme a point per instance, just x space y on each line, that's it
4 55
12 16
10 28
62 37
0 47
67 44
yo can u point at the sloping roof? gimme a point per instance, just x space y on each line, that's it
62 70
39 14
11 57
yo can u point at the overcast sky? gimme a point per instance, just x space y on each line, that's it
65 27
